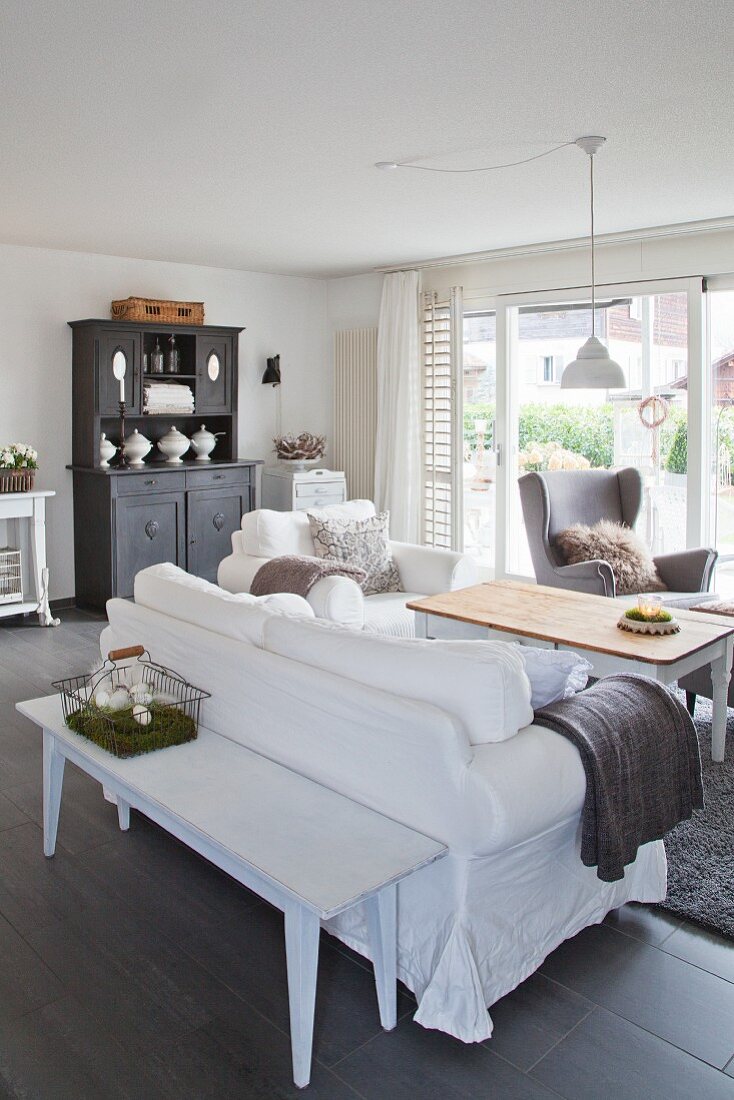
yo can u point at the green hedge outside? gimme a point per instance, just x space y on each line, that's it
585 431
590 431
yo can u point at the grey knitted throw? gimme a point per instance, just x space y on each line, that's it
640 754
298 573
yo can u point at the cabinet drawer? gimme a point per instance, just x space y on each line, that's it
213 478
320 488
319 501
151 481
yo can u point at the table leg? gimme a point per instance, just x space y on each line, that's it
53 780
421 624
123 814
38 557
720 676
381 922
302 929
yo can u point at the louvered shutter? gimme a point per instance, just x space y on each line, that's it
442 457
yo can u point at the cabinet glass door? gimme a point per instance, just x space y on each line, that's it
118 354
213 374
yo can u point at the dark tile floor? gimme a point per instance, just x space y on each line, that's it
131 968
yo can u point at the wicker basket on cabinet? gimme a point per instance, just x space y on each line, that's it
158 309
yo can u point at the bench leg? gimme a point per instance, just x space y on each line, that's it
53 779
123 814
302 929
381 913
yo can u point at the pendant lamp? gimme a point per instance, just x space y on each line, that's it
592 369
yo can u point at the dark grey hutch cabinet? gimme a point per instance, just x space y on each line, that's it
128 518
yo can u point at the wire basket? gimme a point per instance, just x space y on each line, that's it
132 708
11 575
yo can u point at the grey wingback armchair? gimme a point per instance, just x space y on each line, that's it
556 499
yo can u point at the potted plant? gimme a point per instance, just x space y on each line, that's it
18 465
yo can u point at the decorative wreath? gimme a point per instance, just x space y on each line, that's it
658 411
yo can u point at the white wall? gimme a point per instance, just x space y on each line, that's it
354 302
703 253
40 290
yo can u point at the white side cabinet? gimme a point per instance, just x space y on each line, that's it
286 490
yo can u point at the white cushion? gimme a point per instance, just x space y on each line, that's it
270 534
338 599
530 784
553 673
386 613
172 591
483 684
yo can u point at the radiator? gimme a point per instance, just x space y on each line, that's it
355 409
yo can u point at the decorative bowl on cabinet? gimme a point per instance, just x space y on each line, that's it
107 450
204 442
136 448
173 445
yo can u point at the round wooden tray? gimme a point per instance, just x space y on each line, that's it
659 629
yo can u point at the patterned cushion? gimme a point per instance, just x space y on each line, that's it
362 542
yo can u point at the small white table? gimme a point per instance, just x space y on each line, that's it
307 850
31 507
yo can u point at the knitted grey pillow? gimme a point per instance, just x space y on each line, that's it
362 542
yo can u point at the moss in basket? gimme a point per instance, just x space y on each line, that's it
167 726
636 615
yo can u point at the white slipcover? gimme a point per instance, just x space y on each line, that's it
474 925
424 571
483 684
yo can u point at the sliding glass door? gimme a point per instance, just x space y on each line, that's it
647 424
479 456
721 361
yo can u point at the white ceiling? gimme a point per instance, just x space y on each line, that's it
243 133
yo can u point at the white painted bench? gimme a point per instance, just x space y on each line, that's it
304 848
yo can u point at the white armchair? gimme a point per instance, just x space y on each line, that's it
424 571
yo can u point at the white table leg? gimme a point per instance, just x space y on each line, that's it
302 958
53 779
381 913
38 556
421 624
123 814
720 676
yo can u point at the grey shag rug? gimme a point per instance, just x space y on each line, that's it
701 851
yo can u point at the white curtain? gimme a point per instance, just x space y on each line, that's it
398 438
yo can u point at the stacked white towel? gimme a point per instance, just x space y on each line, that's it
167 398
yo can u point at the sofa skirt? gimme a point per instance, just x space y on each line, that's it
471 930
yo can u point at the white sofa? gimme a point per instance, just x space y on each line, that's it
437 735
424 571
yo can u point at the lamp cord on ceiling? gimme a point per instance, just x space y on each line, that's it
487 168
593 273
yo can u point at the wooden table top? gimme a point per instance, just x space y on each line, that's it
572 619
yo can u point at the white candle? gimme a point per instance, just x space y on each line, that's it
122 389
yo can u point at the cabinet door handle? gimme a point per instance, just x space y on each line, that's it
151 529
192 541
218 477
218 520
151 481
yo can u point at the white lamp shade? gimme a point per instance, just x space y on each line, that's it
592 369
